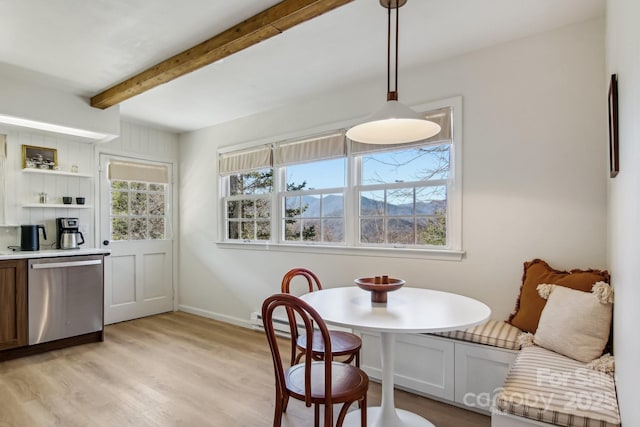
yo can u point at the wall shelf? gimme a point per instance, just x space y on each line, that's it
9 226
56 172
56 206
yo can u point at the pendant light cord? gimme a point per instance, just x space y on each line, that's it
392 95
388 48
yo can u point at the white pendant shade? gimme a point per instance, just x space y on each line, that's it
394 123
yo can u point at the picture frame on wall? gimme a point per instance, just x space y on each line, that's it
614 157
39 157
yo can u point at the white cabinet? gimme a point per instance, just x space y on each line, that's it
462 373
480 371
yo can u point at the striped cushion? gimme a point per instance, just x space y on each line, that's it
548 387
495 333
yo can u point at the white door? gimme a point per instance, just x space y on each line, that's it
136 224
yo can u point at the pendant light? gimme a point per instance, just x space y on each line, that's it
394 123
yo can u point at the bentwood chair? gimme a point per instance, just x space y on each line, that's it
314 382
342 343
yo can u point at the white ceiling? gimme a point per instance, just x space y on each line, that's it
87 46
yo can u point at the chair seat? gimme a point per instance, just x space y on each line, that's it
347 382
342 343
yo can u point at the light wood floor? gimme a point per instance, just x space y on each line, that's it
173 369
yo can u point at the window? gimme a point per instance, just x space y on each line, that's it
247 178
138 195
328 191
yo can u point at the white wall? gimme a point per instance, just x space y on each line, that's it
623 59
137 139
534 126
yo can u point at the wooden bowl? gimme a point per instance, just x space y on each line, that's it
379 290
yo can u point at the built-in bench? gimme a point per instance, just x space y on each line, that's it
483 369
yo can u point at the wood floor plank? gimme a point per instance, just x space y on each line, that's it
174 369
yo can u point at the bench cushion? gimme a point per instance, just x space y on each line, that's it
545 386
495 333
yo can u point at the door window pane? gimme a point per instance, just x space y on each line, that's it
138 203
119 229
156 204
138 229
138 210
140 186
119 185
156 228
119 203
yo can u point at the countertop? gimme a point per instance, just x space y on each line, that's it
49 253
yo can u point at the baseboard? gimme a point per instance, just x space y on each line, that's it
215 316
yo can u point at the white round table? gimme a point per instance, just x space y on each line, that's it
407 310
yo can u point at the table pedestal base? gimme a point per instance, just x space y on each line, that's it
374 419
387 415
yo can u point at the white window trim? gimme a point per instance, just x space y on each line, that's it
454 211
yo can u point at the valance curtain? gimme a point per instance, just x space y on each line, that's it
139 172
245 160
324 147
311 149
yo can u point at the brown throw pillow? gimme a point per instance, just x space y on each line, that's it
529 304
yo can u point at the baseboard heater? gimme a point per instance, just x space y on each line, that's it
280 325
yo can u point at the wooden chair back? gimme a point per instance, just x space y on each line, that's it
308 316
313 281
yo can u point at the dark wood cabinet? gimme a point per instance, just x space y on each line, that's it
13 304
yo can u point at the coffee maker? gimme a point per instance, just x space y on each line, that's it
69 235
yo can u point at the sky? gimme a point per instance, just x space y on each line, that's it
380 167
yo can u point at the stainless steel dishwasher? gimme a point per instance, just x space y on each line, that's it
65 297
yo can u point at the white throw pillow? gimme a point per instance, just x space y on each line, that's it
574 323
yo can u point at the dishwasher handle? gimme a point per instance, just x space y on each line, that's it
66 264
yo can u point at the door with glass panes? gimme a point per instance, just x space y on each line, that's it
136 225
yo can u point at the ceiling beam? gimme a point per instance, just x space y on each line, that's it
266 24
